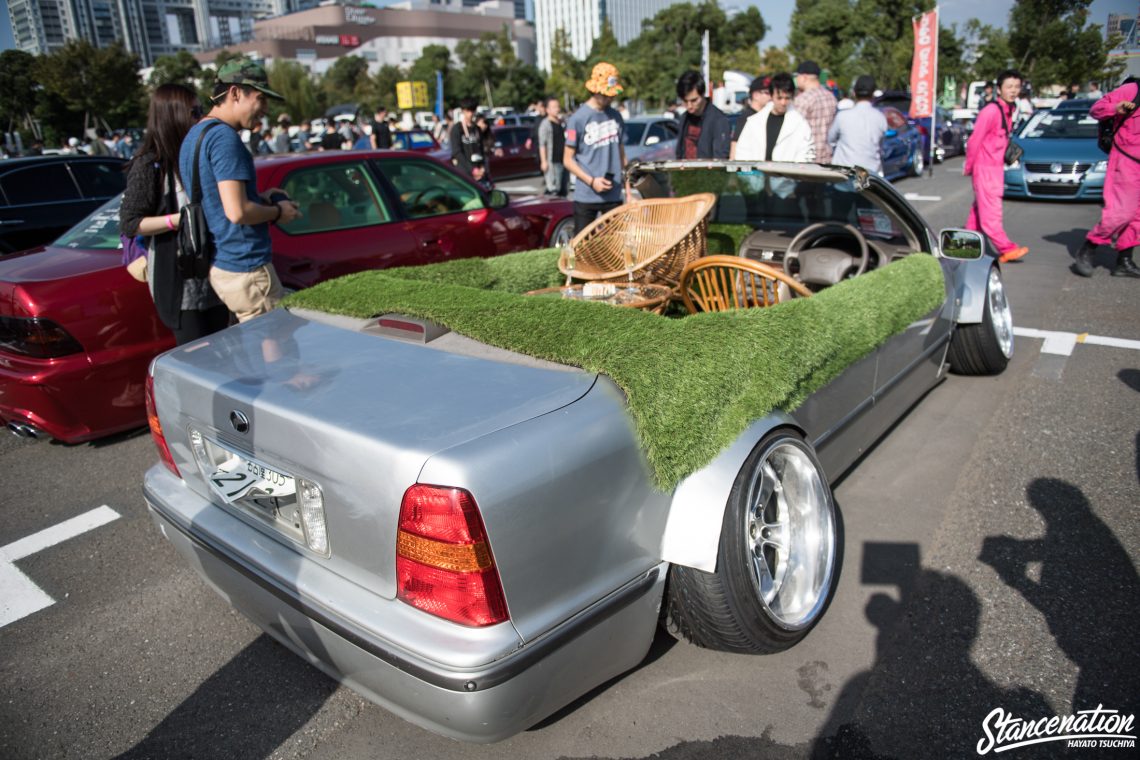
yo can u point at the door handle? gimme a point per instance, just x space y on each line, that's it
430 243
11 221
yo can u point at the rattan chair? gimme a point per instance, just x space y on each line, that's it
651 239
720 283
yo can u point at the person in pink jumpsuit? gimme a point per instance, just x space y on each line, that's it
985 165
1121 216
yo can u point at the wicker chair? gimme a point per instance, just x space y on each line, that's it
720 283
652 239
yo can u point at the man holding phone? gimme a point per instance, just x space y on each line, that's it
594 152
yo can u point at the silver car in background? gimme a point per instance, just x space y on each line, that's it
472 538
650 137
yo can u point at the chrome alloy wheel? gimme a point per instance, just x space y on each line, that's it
790 535
1000 313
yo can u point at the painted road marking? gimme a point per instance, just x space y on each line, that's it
917 197
19 595
1062 343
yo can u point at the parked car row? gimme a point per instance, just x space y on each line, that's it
42 196
77 332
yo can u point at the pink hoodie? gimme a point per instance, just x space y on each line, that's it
1128 129
987 143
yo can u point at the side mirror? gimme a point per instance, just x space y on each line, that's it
962 244
892 133
499 199
652 140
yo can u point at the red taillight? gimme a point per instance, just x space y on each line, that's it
36 337
443 560
156 429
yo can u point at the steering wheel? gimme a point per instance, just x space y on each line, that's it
425 196
825 266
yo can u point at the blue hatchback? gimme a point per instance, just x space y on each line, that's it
1061 160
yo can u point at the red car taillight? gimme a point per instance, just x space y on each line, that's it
443 560
36 337
156 429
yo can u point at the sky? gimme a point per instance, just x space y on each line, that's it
778 13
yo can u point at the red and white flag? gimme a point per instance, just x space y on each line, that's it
923 70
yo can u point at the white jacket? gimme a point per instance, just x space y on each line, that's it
793 144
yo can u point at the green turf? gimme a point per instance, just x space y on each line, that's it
693 384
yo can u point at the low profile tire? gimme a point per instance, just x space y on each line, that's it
985 348
777 561
563 233
918 163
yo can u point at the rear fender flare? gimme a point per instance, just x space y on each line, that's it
692 531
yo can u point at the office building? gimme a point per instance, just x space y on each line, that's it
394 35
148 28
582 20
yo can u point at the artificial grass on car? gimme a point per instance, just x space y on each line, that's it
693 384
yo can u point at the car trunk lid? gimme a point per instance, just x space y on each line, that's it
358 414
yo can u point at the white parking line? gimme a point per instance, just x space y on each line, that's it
1063 343
917 197
19 595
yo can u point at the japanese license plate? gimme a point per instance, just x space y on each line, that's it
238 478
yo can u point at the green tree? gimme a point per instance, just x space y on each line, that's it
18 91
990 49
347 80
823 31
774 60
567 73
1051 42
181 68
434 58
383 86
744 30
85 85
296 85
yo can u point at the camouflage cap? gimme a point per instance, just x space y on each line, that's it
248 74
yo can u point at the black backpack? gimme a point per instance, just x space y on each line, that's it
195 243
1106 128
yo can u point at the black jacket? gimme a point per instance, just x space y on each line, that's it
716 134
145 196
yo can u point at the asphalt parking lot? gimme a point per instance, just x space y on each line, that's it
991 553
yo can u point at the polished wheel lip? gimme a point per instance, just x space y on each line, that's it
1000 314
791 545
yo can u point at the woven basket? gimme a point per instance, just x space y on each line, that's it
658 236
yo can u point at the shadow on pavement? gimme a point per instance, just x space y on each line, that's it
1088 592
246 709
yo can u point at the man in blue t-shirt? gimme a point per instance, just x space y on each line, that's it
242 273
594 152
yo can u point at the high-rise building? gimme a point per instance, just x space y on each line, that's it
149 28
582 20
1126 28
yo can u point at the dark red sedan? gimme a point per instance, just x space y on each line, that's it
77 333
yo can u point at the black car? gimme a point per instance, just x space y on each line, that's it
41 197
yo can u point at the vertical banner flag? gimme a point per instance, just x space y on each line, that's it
924 69
439 94
705 63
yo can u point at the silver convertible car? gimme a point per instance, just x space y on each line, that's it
473 506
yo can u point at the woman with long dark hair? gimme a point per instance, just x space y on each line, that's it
150 207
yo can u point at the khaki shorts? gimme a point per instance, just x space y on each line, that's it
247 294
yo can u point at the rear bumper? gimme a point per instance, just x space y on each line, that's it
489 697
75 398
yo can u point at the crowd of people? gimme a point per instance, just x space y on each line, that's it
793 117
187 155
